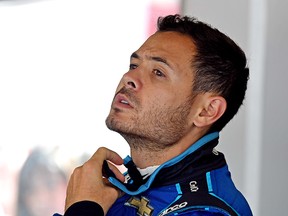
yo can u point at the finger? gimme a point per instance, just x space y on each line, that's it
106 154
119 192
116 171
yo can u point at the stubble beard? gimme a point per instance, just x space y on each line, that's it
156 129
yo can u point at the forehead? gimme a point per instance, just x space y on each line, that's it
177 48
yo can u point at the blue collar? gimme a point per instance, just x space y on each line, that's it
198 144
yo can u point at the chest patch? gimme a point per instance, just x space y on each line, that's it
142 206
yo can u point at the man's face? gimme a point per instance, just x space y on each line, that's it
154 98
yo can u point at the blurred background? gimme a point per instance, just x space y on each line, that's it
60 63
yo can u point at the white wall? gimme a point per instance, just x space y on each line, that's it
274 160
60 63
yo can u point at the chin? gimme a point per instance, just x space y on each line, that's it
113 124
119 126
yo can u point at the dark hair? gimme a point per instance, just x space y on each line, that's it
219 63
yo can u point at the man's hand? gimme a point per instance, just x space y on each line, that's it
87 181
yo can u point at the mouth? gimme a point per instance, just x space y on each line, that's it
121 101
124 102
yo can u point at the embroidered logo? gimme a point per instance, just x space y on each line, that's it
142 206
173 208
193 186
215 152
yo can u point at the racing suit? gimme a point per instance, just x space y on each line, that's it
197 182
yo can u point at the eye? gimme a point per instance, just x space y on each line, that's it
158 73
132 66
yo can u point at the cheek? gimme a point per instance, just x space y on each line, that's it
159 99
168 98
158 105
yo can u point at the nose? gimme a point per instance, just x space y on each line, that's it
132 80
131 83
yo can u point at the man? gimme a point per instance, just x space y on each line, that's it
184 84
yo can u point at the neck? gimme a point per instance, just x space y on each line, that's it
144 158
147 153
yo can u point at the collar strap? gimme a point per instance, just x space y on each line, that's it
133 188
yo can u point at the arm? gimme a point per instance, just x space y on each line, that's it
84 208
88 192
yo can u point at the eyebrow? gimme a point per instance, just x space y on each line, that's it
154 58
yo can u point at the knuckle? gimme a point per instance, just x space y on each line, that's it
102 150
87 166
77 170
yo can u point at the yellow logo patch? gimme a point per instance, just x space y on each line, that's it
142 206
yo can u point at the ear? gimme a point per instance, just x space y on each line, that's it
212 109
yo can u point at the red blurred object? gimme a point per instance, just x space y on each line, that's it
160 8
